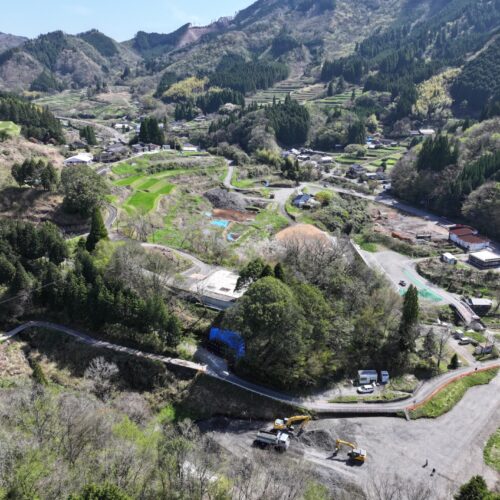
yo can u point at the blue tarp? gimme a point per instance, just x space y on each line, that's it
229 338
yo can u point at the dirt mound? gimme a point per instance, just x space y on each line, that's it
233 215
322 439
220 198
302 232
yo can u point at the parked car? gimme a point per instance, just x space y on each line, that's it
402 283
366 389
465 341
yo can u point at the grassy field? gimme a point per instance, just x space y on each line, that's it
448 397
10 128
492 451
383 397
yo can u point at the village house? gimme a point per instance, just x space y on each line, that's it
468 238
355 171
79 159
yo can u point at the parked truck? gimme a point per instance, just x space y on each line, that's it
280 441
366 377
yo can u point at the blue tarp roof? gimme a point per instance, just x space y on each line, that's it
231 339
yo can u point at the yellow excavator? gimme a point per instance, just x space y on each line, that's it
356 454
286 424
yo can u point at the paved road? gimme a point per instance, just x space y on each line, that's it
86 339
216 367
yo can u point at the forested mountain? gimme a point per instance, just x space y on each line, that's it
300 32
10 41
412 51
65 60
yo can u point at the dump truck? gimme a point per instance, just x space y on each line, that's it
280 441
286 424
356 454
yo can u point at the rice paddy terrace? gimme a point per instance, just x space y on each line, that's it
300 89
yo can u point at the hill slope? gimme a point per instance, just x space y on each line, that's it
10 41
297 31
68 60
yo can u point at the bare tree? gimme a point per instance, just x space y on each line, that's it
101 373
393 487
442 340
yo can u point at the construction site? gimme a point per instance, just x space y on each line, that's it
405 227
362 454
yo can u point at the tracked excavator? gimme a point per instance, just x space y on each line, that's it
287 424
356 454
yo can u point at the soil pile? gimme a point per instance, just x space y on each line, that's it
220 198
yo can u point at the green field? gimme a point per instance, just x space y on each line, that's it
144 201
10 128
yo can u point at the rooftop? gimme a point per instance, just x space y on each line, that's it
485 256
470 238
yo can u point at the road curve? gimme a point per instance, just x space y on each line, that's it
215 367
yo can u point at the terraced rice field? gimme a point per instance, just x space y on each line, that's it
144 201
336 100
299 89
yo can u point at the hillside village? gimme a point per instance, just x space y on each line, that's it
241 266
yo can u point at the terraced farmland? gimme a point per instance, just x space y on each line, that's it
299 88
336 100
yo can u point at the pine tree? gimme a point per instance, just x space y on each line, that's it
279 272
98 231
454 363
37 373
49 178
407 329
330 91
267 271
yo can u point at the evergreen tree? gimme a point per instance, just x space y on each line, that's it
330 92
475 489
98 230
408 332
37 373
454 363
88 134
267 271
49 178
279 272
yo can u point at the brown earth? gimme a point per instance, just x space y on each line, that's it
18 149
37 206
302 232
233 215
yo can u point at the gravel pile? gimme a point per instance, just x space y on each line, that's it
220 198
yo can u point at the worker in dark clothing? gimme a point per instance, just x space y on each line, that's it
426 463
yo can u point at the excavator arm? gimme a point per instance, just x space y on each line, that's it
287 423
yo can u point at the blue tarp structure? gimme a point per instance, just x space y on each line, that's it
229 338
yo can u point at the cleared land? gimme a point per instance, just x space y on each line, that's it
453 444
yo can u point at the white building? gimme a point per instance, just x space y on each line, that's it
449 258
427 131
79 159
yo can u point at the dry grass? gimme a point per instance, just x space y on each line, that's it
17 149
302 232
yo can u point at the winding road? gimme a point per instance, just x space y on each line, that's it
215 367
